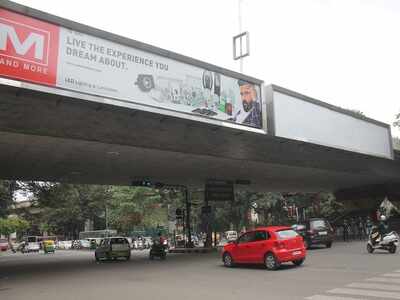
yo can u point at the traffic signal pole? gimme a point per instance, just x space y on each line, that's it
184 189
188 221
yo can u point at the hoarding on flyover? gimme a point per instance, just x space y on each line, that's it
36 51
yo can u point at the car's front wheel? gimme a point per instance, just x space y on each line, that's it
392 249
271 262
228 260
370 249
298 262
96 256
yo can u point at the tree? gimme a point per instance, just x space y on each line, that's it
396 143
7 188
66 207
130 207
11 225
396 122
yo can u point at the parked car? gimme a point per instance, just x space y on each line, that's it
64 245
315 231
222 242
270 246
3 245
84 244
113 248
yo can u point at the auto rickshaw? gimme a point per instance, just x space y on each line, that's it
49 246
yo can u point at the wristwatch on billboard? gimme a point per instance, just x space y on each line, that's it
145 82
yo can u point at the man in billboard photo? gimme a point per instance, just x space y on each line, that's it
250 110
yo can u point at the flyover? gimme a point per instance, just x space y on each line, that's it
60 131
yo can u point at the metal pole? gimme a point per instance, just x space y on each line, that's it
240 31
188 209
106 216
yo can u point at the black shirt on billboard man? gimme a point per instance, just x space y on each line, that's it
250 112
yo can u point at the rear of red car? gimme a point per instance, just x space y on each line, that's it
3 245
288 245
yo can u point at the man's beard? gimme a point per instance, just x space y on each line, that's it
247 106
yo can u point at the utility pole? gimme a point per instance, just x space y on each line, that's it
188 222
240 30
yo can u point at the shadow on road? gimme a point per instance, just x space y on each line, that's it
283 267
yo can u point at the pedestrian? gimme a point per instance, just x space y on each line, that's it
368 225
345 230
361 227
353 224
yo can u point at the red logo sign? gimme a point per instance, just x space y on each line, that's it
28 48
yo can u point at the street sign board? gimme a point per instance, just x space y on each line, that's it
219 190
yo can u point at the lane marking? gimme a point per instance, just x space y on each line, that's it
375 286
325 297
368 293
382 279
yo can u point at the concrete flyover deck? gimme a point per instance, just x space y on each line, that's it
46 136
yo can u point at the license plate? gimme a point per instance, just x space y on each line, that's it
322 233
296 252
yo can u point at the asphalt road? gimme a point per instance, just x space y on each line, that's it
344 272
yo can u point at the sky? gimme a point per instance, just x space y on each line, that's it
344 52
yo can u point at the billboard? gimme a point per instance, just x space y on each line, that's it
52 55
298 119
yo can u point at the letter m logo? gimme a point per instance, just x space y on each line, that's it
24 42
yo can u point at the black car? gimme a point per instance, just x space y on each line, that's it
315 231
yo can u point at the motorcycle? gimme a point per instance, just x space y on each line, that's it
389 242
158 250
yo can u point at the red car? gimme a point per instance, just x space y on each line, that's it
3 245
270 246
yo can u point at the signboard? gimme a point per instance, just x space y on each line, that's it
219 191
333 130
52 55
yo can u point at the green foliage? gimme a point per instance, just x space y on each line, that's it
10 225
396 143
396 123
130 207
7 188
65 207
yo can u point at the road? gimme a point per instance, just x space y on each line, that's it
343 272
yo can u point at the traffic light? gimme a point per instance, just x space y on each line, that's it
145 183
179 213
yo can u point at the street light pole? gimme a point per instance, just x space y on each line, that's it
240 30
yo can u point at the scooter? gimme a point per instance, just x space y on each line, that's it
158 250
390 241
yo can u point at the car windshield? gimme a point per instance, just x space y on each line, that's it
286 234
315 224
118 241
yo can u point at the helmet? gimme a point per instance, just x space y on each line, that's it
383 218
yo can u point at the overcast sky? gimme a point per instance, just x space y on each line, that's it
342 52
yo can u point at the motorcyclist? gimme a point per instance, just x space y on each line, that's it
383 226
161 239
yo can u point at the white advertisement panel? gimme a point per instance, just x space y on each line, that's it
48 54
301 120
